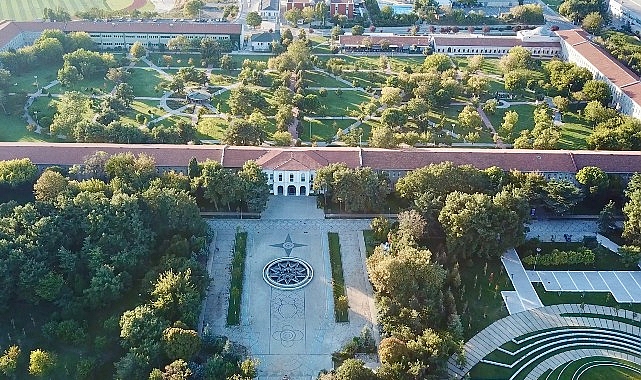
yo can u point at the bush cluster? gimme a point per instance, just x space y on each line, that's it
582 255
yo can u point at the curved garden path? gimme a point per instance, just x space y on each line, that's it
533 320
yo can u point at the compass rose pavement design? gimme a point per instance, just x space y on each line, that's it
288 245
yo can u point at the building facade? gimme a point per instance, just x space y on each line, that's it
291 171
119 35
270 10
342 7
624 84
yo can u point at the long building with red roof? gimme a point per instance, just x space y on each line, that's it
118 34
291 170
624 84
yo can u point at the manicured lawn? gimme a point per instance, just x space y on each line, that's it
319 79
370 242
217 78
144 82
365 78
13 128
526 114
178 59
588 298
490 65
238 59
573 136
220 102
211 128
334 105
601 372
399 63
554 4
25 82
341 306
324 129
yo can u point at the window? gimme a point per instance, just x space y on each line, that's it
280 177
302 177
271 177
291 178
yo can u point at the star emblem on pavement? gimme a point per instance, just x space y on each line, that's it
288 245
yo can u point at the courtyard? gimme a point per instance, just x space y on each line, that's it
291 332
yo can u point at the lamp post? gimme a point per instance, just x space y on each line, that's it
35 77
536 258
310 129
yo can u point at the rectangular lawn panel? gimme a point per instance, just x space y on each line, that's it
323 129
237 270
365 78
211 128
319 79
338 282
144 82
21 10
334 105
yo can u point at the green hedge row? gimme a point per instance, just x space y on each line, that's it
237 271
341 304
582 255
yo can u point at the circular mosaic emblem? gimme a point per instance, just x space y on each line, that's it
288 273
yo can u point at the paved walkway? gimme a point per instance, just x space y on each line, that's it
625 286
529 321
553 230
524 296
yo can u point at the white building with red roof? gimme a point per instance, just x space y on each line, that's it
624 84
118 35
291 171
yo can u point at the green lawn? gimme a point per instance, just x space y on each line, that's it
334 105
526 114
490 65
573 136
177 59
365 78
325 129
13 128
144 82
613 371
21 10
211 128
236 286
319 79
26 82
338 282
588 298
554 4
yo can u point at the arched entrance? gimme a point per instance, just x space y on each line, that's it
303 191
280 190
291 190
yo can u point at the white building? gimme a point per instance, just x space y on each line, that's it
263 41
118 35
627 12
540 42
624 84
270 10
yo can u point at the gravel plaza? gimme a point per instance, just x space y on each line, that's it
291 332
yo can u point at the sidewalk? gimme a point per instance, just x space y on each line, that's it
524 296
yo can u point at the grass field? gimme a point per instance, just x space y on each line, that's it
323 130
22 10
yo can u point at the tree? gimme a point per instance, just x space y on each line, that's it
177 370
253 19
517 58
336 32
474 63
41 362
439 62
72 109
180 343
124 94
68 75
243 132
561 195
176 298
243 101
632 212
526 14
255 187
49 186
137 50
478 84
506 130
282 138
192 8
17 172
412 223
9 361
393 117
593 179
561 102
357 30
606 221
593 22
596 90
470 118
477 224
354 369
180 43
390 96
597 113
133 171
321 11
293 15
382 137
308 14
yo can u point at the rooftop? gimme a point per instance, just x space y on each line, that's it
482 41
309 158
605 63
376 40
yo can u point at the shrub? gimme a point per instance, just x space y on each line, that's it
582 255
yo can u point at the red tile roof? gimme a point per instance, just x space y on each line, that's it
393 40
523 160
306 158
485 41
610 67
